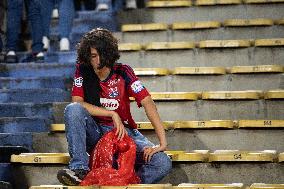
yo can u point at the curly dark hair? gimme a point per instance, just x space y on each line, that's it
104 42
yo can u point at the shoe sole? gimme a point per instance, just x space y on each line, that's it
67 179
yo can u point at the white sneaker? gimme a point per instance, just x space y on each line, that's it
64 44
131 4
55 13
102 7
11 53
40 54
45 42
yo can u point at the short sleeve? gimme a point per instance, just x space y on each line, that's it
135 88
77 89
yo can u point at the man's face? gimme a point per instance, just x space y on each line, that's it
95 58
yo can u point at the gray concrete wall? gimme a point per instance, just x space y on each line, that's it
204 57
222 33
203 13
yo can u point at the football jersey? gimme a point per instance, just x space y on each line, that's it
116 89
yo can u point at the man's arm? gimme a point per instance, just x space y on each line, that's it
153 116
98 111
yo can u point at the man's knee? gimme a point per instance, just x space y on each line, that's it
163 161
74 108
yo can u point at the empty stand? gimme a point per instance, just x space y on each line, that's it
214 69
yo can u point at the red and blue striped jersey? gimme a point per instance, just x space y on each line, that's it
121 84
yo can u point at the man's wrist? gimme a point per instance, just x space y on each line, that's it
112 114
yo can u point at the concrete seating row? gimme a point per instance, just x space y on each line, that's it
202 44
212 124
176 156
218 95
188 3
209 70
168 186
200 25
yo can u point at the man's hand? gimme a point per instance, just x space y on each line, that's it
150 151
120 129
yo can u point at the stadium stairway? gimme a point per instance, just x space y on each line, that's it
214 69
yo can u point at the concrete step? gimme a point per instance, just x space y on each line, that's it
23 124
43 110
22 70
233 156
54 57
187 139
215 110
34 95
181 173
227 172
196 78
199 57
35 82
49 111
95 19
7 151
181 110
6 172
201 124
203 34
221 54
169 35
24 140
202 13
177 83
169 186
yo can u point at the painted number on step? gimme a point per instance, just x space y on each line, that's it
37 159
267 123
201 124
237 156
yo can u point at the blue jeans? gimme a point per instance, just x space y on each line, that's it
14 16
66 15
83 133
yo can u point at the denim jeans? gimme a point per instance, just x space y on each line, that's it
83 133
14 16
66 15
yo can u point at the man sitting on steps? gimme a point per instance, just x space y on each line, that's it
100 102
